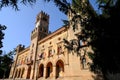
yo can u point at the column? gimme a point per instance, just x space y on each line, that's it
18 72
21 73
32 74
44 72
54 72
25 73
14 74
36 70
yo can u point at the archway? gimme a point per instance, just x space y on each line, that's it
41 70
28 72
59 68
49 70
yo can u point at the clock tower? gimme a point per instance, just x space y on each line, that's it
42 22
40 31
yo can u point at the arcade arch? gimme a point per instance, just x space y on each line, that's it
41 70
59 69
49 70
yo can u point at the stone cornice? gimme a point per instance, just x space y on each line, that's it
58 31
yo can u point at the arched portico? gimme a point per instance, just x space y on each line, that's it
28 72
49 70
41 70
59 69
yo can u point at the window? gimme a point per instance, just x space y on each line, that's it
84 63
22 61
49 52
18 62
26 59
40 28
45 30
59 49
44 18
42 55
32 45
82 43
32 51
30 58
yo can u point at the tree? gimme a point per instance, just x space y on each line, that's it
107 59
2 27
14 3
102 29
6 61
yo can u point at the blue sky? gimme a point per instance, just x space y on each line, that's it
21 23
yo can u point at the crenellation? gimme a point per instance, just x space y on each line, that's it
20 47
34 31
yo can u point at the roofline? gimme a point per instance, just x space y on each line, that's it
58 31
26 49
62 29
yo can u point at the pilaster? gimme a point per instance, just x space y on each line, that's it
44 72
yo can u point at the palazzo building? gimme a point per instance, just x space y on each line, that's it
48 58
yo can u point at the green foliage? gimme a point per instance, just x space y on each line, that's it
63 5
112 76
14 3
91 55
2 27
107 5
6 61
103 30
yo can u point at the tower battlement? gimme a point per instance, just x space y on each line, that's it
42 16
20 47
41 26
34 33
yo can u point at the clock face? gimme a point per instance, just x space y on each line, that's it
37 24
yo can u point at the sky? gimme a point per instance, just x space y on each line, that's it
21 23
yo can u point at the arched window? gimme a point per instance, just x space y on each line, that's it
59 49
50 53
